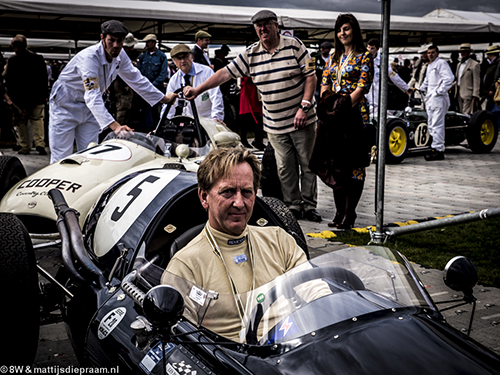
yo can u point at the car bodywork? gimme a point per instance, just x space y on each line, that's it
85 175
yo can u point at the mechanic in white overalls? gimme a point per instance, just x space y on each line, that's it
438 80
373 46
76 108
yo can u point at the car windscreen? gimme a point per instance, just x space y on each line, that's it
329 289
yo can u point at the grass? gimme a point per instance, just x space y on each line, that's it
479 241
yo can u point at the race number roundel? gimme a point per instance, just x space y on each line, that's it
422 136
108 151
126 206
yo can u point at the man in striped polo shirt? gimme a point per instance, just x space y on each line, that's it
284 73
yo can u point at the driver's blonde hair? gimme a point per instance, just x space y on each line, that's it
221 162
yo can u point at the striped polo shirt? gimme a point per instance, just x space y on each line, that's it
280 78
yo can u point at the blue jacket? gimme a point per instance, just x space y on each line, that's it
154 67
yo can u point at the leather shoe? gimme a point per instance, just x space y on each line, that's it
41 150
434 155
23 152
296 213
313 215
16 148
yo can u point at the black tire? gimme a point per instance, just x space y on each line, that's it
482 132
270 184
291 225
397 142
11 172
19 287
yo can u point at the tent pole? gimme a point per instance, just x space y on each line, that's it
379 236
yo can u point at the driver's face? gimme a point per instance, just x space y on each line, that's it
230 201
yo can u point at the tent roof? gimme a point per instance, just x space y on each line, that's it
175 21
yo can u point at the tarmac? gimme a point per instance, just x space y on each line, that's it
414 190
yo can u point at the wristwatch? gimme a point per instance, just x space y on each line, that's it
305 108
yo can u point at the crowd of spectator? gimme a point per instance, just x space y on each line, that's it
474 85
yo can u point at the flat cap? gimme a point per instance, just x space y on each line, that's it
179 48
130 40
115 28
149 37
326 45
264 15
201 34
493 49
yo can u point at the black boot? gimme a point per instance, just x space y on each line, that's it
339 196
354 191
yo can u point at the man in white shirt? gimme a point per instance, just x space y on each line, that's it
77 109
373 46
438 80
190 73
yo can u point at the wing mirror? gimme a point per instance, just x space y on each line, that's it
460 274
163 306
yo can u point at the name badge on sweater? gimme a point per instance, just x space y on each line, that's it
240 258
236 242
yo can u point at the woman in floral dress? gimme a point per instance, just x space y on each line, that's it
349 73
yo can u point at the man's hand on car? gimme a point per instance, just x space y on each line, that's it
117 128
190 92
169 98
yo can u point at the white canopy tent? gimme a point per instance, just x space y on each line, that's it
79 20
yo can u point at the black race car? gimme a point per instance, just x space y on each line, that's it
407 131
359 310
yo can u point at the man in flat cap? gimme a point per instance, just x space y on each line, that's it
189 73
468 80
284 74
200 56
153 64
77 108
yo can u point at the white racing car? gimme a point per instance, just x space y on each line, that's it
179 143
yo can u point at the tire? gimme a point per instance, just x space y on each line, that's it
482 132
291 225
11 172
397 142
270 182
19 286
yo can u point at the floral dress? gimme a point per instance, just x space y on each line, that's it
357 73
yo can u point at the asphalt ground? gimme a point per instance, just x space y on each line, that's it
414 190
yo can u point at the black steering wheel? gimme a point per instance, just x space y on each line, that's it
338 278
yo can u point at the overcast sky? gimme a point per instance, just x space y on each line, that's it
398 7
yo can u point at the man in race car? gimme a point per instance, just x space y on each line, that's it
77 108
229 256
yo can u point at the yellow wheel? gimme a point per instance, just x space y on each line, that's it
397 142
482 132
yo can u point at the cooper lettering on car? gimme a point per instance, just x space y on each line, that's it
108 151
134 193
422 135
47 183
